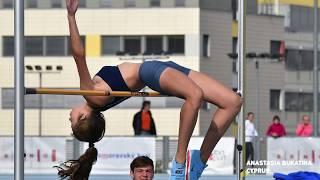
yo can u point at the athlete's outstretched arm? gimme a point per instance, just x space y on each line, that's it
77 48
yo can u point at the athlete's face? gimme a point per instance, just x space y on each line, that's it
78 113
142 173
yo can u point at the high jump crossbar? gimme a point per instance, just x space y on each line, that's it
91 92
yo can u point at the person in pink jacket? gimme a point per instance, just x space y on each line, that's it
304 128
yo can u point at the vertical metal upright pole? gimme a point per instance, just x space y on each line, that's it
165 152
258 111
40 105
241 86
19 90
315 70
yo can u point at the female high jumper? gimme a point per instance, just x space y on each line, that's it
168 78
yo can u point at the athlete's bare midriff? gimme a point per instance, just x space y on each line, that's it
130 74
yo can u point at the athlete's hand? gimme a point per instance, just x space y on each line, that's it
72 6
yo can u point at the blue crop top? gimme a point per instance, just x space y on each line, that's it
112 76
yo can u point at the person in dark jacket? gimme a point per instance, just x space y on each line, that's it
143 123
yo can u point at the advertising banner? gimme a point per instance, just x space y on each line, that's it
116 153
41 154
291 154
221 159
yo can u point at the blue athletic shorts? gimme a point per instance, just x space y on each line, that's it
150 72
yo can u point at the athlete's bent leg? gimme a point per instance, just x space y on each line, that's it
229 104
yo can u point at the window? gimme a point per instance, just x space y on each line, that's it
301 19
155 3
40 45
132 45
306 102
206 45
8 46
275 47
130 3
291 101
82 3
34 46
275 99
180 3
106 3
55 46
234 7
234 51
299 60
7 3
234 45
110 45
293 59
32 4
56 4
299 101
153 45
306 60
83 39
176 44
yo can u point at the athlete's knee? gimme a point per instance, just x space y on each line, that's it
195 97
233 102
236 102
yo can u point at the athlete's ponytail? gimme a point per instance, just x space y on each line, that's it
79 169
